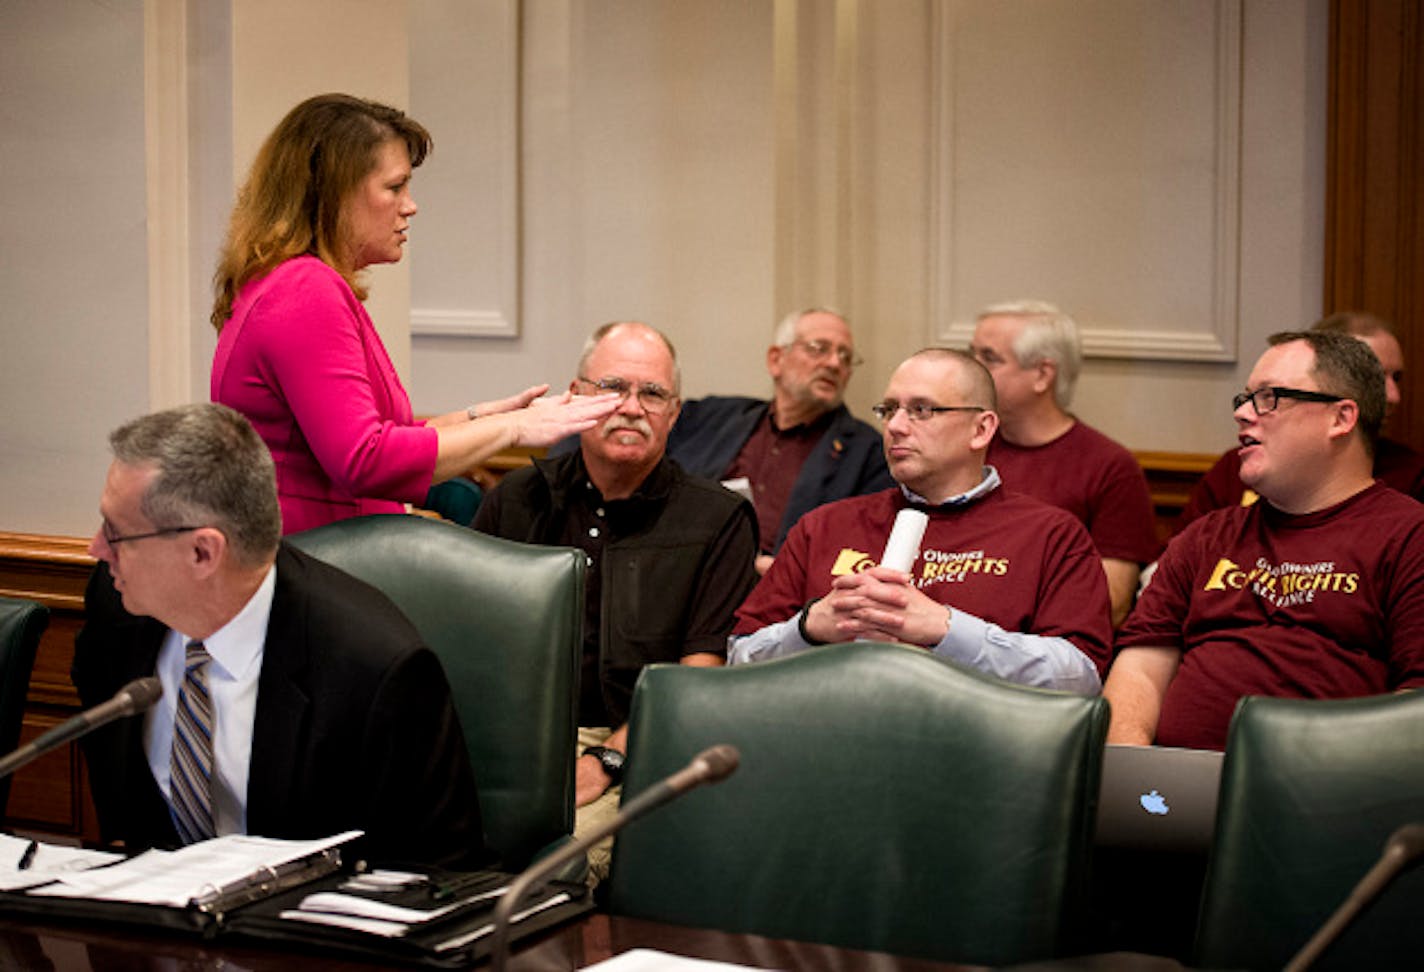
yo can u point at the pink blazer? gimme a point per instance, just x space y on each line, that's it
301 359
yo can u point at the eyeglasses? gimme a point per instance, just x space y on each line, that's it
1266 399
918 411
114 541
819 349
655 399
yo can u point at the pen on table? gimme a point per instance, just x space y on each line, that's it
28 857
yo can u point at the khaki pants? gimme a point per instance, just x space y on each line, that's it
587 818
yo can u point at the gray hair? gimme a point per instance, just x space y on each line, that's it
1048 334
605 329
1345 366
785 333
213 470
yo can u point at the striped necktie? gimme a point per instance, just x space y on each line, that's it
191 769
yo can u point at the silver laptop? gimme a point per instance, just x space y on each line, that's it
1158 798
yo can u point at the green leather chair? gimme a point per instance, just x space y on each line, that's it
1310 792
21 624
506 620
886 800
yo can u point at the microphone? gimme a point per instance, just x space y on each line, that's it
132 699
1401 851
709 766
904 544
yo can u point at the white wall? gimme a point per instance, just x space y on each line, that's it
710 166
706 166
73 263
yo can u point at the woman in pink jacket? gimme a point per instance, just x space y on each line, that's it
328 195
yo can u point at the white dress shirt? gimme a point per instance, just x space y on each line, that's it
236 649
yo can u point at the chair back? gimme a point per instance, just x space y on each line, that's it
457 500
1310 792
21 624
886 800
506 620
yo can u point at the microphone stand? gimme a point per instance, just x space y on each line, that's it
1403 847
709 766
133 698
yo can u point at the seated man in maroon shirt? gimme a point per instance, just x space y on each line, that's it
1398 465
1032 350
1317 591
1003 582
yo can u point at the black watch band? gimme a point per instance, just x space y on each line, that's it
611 760
806 636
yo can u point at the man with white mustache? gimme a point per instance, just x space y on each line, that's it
670 554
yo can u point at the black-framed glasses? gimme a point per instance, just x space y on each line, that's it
114 541
918 411
1266 399
819 349
655 399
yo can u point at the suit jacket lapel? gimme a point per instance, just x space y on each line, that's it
282 701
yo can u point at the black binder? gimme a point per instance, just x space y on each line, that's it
455 940
252 911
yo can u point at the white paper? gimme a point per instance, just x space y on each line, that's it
903 547
742 486
371 926
49 862
335 903
177 877
649 960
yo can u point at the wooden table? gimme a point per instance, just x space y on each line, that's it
71 947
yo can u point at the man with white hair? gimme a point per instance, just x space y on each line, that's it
797 451
670 555
1033 351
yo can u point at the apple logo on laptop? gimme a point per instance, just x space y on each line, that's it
1154 802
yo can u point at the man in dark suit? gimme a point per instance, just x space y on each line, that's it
324 709
797 451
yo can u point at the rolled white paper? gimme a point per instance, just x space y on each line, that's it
903 547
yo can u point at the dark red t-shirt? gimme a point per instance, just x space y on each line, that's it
1005 558
1092 477
1324 605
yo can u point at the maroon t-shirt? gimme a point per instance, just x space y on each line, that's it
1005 558
1092 477
1324 605
1397 465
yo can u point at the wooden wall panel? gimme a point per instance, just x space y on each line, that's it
1374 222
51 794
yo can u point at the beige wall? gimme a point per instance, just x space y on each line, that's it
283 52
73 269
706 166
709 167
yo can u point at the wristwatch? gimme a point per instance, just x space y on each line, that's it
611 760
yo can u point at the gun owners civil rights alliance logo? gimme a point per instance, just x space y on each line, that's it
933 566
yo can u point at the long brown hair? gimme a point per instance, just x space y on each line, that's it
292 201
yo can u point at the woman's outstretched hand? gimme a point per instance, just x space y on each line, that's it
510 404
547 420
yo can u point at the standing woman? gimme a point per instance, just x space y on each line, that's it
328 195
